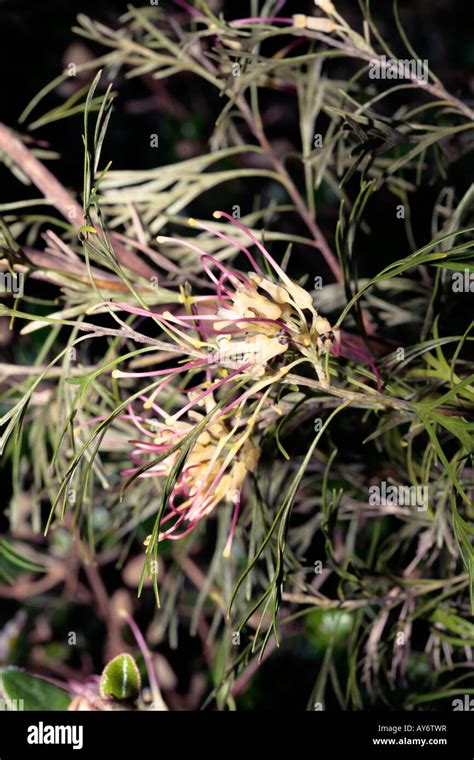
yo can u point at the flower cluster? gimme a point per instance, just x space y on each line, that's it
239 341
214 472
257 318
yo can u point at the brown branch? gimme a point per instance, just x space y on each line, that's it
60 198
437 90
364 399
319 238
41 177
299 203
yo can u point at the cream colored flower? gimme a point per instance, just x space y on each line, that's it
314 23
214 472
281 317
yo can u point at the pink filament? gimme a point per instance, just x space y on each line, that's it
158 372
349 351
232 242
205 393
257 242
262 19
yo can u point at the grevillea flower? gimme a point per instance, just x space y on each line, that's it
257 318
250 332
214 472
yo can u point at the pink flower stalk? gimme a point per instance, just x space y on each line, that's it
262 20
189 8
352 347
